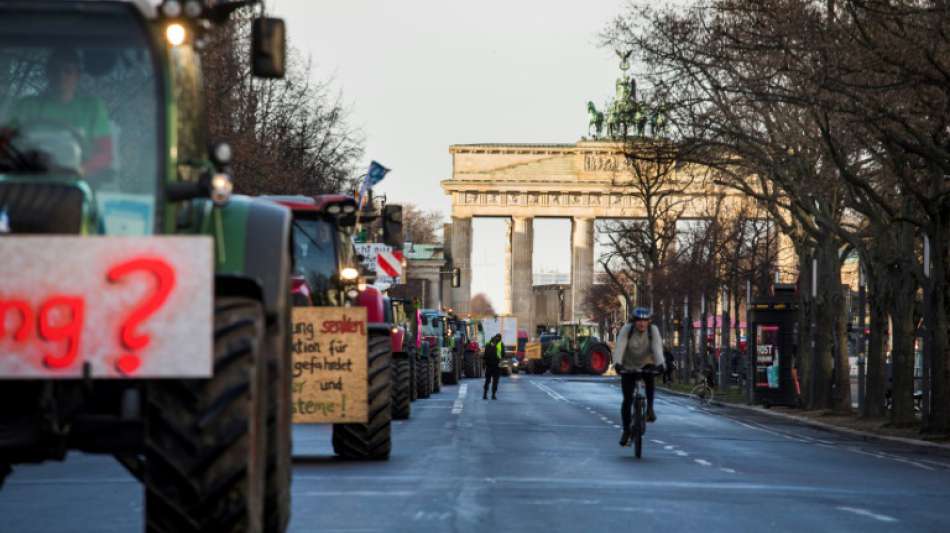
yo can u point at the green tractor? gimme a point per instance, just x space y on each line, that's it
102 136
577 350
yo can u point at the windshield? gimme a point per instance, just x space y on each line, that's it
315 255
79 99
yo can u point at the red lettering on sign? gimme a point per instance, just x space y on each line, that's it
343 326
164 276
70 331
26 319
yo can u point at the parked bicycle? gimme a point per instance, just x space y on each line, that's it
704 391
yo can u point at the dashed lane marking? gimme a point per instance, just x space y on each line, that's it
702 462
549 391
864 512
728 470
459 404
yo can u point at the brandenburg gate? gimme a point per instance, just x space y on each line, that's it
583 182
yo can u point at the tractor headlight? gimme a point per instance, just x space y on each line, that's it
349 274
175 33
221 188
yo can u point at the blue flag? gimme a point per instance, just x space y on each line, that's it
375 175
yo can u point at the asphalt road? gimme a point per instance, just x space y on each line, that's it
544 457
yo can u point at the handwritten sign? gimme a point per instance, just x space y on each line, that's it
329 373
532 350
115 307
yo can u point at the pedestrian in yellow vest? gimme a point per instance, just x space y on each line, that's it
494 352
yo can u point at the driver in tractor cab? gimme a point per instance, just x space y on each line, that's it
638 346
61 105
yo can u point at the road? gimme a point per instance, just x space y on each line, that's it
544 457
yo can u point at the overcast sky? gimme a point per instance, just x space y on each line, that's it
420 75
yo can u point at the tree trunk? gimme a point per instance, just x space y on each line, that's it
875 377
900 278
824 330
842 387
939 419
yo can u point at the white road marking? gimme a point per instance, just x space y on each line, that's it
367 493
728 470
658 441
669 447
702 462
459 404
681 453
617 426
549 391
869 514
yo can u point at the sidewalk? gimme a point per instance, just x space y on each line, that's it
851 425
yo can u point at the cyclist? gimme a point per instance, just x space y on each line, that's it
638 346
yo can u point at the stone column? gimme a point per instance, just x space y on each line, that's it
582 263
506 306
461 242
522 272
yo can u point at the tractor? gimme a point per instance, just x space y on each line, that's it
125 159
326 274
577 350
474 343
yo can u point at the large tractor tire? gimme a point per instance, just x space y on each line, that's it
469 363
436 374
371 441
279 421
451 377
423 377
562 363
536 366
459 368
205 439
413 380
596 360
402 398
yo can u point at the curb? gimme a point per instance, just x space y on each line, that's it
814 423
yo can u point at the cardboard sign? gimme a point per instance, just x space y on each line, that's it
532 350
329 372
109 307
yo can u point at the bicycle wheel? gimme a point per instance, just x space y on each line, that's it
639 423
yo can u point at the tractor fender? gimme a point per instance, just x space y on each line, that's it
254 237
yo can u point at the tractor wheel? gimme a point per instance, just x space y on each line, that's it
449 378
279 437
562 363
436 374
402 400
371 441
596 360
413 380
423 379
205 438
468 362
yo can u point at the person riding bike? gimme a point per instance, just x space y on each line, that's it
638 346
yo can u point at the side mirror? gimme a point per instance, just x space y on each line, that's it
456 278
392 225
268 47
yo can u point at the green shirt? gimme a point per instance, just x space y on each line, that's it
85 114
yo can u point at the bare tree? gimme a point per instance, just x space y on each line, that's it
420 226
289 136
481 306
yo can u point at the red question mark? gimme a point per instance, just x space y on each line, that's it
165 281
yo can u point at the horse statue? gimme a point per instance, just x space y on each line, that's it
658 121
596 121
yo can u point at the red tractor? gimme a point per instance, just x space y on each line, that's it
325 273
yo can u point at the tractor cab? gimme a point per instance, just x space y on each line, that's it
577 348
324 265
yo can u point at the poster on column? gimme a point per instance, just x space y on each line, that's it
329 365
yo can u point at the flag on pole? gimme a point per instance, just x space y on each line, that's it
375 175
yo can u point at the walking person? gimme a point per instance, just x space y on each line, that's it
638 346
494 352
669 364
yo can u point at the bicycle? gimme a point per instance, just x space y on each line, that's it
638 423
703 391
